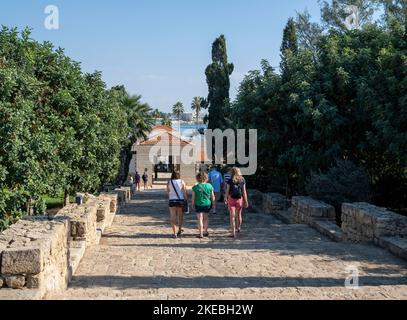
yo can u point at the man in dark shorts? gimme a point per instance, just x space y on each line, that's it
137 180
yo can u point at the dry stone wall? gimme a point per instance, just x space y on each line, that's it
366 222
306 209
38 255
267 202
273 202
360 221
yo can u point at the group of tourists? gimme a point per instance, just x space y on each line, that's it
135 183
205 195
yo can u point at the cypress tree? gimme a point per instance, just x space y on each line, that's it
218 80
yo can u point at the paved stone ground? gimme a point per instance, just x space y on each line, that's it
137 259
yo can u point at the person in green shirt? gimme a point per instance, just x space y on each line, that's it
203 198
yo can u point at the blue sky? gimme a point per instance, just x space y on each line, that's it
160 48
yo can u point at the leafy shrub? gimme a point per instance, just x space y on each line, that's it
344 182
40 207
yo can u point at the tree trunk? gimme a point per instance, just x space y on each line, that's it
29 207
125 159
66 198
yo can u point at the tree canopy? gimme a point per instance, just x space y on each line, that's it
339 95
61 130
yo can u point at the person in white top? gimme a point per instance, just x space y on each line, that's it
177 194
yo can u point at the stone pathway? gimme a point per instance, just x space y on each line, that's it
137 259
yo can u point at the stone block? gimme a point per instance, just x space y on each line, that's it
15 282
34 281
22 261
101 213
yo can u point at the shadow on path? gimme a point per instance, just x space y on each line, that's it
210 282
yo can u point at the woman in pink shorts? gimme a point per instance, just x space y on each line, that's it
236 199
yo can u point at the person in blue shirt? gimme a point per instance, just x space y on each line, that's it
216 180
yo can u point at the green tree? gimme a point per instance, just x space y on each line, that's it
337 14
178 110
218 80
61 130
166 121
156 115
197 104
139 120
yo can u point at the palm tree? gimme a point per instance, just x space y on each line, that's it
178 110
166 121
156 114
197 106
140 121
139 117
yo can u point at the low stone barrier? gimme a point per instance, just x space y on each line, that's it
34 255
306 209
273 202
366 222
40 254
255 200
267 202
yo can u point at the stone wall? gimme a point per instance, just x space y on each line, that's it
34 255
366 222
267 202
306 209
255 200
273 202
40 254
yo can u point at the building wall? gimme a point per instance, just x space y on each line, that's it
188 173
141 161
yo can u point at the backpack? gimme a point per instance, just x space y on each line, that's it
145 177
236 190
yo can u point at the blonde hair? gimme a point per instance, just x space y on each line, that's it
236 175
201 177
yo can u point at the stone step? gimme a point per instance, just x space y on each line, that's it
328 228
76 252
21 294
396 245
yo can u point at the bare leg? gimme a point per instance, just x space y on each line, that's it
239 219
173 213
205 222
180 219
200 224
232 212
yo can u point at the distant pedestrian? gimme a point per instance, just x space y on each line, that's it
137 181
145 179
236 198
216 180
130 183
203 198
178 199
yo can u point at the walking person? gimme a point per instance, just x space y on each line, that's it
130 183
226 178
178 198
203 198
145 179
216 180
236 198
137 180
